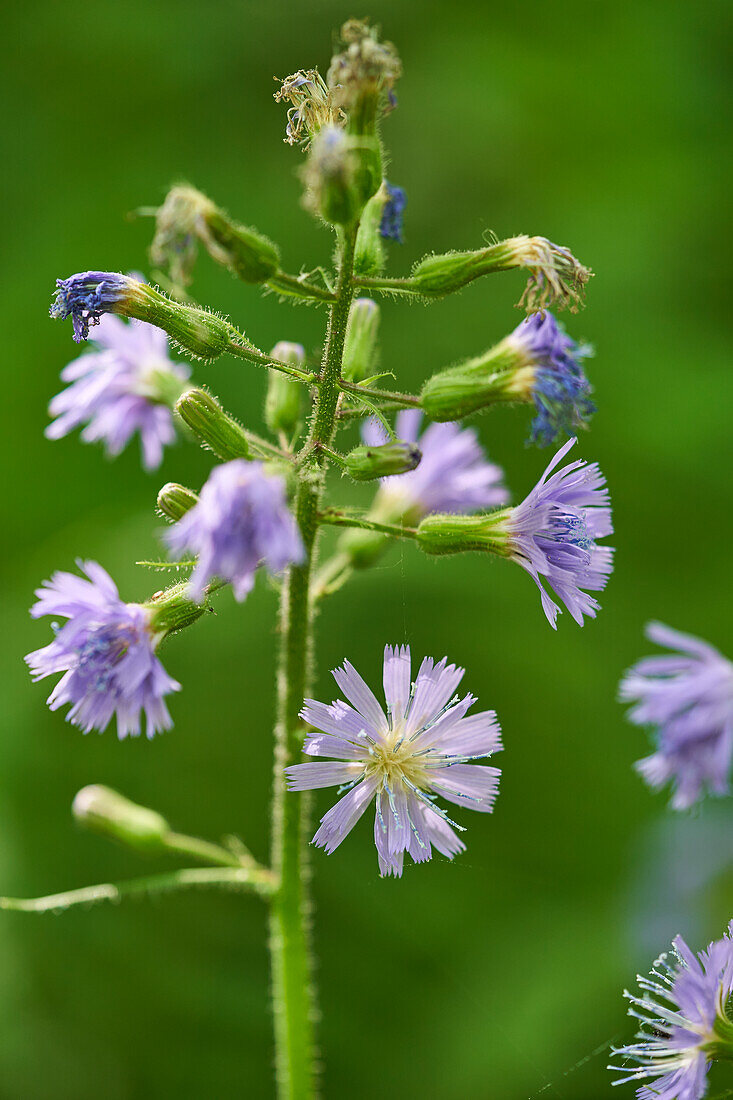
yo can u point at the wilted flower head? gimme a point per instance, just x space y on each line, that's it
554 377
240 522
555 276
453 475
688 697
390 226
180 224
312 106
422 748
366 69
684 1021
127 385
86 296
553 534
106 651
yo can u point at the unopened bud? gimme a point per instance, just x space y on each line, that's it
106 812
495 376
555 276
188 216
367 463
284 401
88 295
369 256
215 429
172 610
360 345
454 534
175 500
331 176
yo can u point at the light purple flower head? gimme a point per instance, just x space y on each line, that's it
106 651
684 1022
688 697
453 475
241 521
553 534
86 296
423 747
127 385
558 385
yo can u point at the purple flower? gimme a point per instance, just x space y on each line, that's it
684 1023
240 522
86 296
555 378
126 386
421 748
553 533
390 226
106 651
688 696
453 475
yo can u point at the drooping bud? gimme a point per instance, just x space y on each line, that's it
104 811
215 429
188 216
555 276
330 177
312 106
360 345
284 401
88 295
362 77
175 500
453 534
367 463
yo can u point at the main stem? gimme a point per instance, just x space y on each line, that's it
292 978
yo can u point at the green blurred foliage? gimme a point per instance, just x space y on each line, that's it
598 125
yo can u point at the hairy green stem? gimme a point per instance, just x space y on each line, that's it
343 519
199 849
299 288
258 879
292 978
380 395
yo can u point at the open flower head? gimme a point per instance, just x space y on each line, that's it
423 747
240 522
106 650
553 534
685 1024
687 696
453 476
127 384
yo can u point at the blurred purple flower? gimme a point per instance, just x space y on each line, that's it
393 211
688 696
241 521
553 533
107 653
128 385
421 748
453 475
684 1022
557 383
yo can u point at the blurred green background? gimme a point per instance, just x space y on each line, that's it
598 125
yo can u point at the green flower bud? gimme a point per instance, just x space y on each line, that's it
369 257
556 277
106 812
360 345
188 216
284 401
202 334
333 178
504 373
175 500
215 429
367 463
454 534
